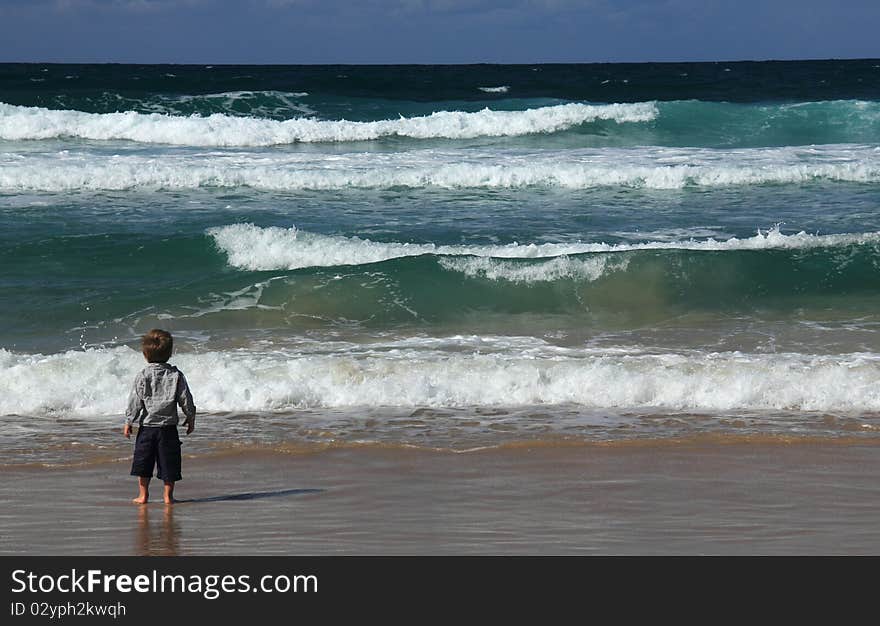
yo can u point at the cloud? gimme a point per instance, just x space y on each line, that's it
124 5
432 6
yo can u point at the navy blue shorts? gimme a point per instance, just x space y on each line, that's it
157 445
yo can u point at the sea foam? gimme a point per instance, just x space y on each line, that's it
256 248
95 382
21 123
644 167
557 268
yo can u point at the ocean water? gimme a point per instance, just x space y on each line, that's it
451 257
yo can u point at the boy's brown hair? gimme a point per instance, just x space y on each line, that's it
157 345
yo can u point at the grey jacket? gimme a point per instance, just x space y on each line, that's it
158 390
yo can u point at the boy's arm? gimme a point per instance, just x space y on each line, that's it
134 407
185 401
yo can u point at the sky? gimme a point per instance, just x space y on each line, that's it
435 31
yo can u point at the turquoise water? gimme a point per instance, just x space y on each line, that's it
670 238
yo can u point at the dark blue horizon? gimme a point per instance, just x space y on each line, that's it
76 85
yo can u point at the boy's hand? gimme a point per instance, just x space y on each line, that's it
190 426
126 431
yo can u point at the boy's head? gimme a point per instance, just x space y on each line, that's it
157 346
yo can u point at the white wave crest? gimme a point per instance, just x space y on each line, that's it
499 89
646 167
95 382
257 103
256 248
20 123
557 268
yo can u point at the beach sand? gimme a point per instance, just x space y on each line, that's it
686 498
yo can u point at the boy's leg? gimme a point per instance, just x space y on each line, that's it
169 492
168 460
143 490
143 461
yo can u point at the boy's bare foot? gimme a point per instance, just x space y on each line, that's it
143 490
169 492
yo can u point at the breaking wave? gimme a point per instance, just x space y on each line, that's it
95 382
650 168
36 123
255 248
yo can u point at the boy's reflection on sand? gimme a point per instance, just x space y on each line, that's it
162 537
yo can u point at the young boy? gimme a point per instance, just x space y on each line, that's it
158 390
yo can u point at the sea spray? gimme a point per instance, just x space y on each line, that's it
568 169
19 123
252 247
93 383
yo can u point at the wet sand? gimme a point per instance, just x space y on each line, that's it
798 498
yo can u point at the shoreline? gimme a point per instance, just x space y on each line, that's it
685 499
112 450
